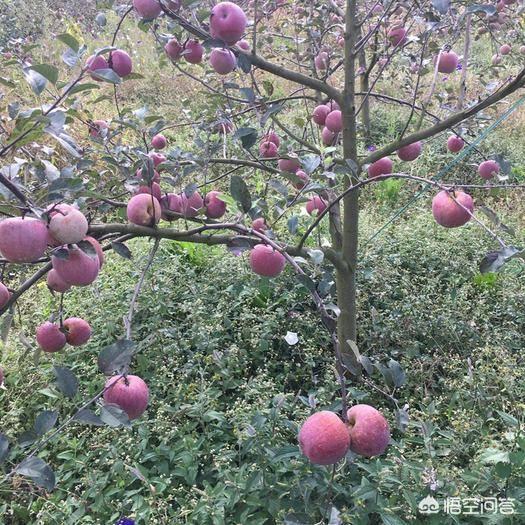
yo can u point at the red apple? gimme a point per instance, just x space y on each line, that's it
488 169
79 269
130 393
193 52
320 113
143 209
315 205
369 431
334 121
191 206
147 9
56 283
449 213
324 438
259 225
67 225
78 331
159 141
266 261
23 240
215 207
5 295
455 144
289 165
120 63
380 167
227 22
448 61
49 337
410 152
223 61
268 150
173 49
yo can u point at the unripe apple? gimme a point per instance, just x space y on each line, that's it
455 144
23 240
120 63
315 205
130 393
78 331
193 51
223 61
5 295
244 45
98 129
271 136
410 151
328 136
448 62
95 62
289 165
79 269
154 190
147 9
268 150
488 169
380 167
172 203
191 206
505 49
397 36
159 141
369 430
56 283
266 261
320 113
321 60
174 49
334 121
157 158
259 225
448 212
67 224
227 22
50 338
324 438
304 179
215 207
143 209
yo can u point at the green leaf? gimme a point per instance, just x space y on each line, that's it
107 75
390 519
244 62
508 419
240 192
116 358
66 380
47 71
45 421
114 416
70 41
494 455
6 82
493 261
78 88
39 471
35 80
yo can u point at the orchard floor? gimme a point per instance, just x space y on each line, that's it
218 442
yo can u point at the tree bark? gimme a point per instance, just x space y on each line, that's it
346 275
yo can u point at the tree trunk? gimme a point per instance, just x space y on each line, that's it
346 277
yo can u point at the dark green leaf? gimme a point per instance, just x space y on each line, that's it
398 374
39 471
479 8
45 421
310 163
122 250
114 416
4 447
116 358
442 6
66 380
88 417
247 136
78 88
493 261
293 223
240 192
244 62
27 438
